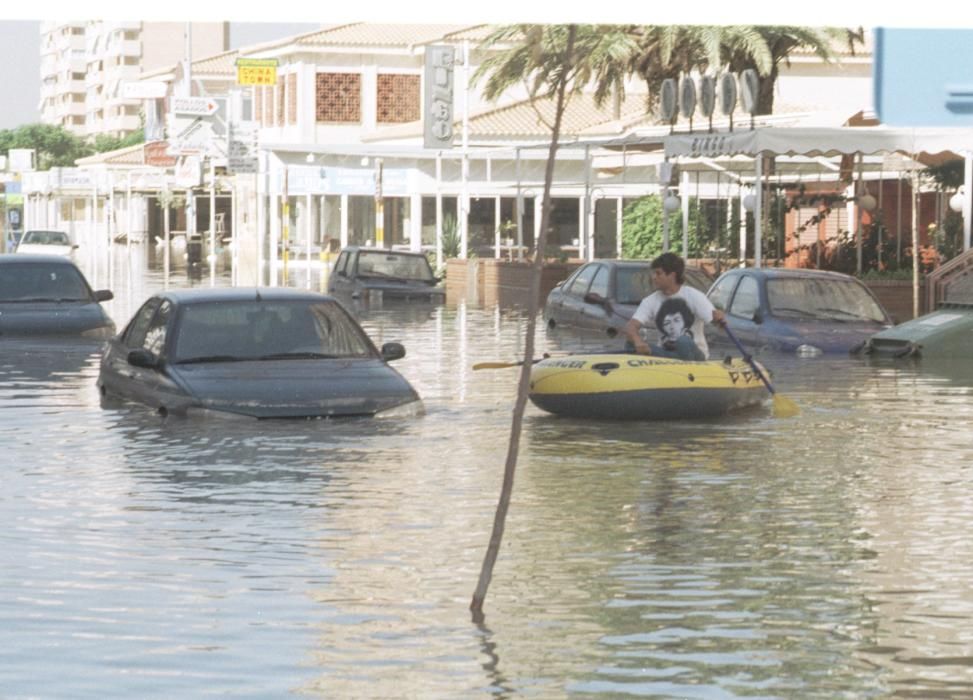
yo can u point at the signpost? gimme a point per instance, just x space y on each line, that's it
194 106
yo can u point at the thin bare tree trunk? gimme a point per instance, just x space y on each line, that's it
486 571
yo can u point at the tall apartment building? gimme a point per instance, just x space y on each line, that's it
84 66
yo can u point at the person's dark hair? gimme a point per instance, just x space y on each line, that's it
670 262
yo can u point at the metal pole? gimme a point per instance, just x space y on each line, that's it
310 232
212 223
758 212
967 190
439 211
166 259
286 228
379 205
684 191
915 244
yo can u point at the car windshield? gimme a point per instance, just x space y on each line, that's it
385 263
267 330
42 282
822 299
46 238
632 284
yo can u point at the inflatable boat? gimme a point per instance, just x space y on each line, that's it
641 387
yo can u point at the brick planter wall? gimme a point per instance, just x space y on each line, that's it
896 297
488 281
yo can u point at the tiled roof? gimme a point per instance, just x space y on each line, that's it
387 35
221 64
130 155
524 120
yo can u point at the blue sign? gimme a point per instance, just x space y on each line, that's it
924 77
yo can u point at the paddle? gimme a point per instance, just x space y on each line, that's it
502 365
783 406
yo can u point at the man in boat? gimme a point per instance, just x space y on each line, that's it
677 310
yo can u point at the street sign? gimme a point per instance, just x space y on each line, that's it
241 156
196 106
190 136
922 77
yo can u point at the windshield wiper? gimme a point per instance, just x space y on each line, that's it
848 314
212 358
297 356
386 276
788 309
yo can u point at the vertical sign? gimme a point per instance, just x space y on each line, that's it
438 78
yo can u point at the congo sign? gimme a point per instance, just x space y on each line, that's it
438 97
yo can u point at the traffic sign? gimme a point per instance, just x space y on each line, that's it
196 106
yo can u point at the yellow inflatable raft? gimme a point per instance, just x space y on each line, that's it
642 387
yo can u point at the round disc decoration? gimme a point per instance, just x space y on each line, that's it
750 84
728 93
707 95
667 100
687 97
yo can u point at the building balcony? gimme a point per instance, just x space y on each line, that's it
124 48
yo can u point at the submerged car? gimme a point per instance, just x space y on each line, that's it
263 353
369 273
807 312
46 243
600 297
48 295
943 334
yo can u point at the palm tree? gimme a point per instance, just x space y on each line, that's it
555 62
781 42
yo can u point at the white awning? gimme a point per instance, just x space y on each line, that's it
818 142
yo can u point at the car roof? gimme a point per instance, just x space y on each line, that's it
22 258
782 272
198 295
392 251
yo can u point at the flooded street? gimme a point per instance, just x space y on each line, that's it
822 556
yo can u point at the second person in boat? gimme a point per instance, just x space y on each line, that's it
677 310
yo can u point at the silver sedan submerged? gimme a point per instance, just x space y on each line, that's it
264 353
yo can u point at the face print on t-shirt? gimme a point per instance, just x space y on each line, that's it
673 320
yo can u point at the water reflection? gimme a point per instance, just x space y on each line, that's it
823 555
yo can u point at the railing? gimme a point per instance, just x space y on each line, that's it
939 280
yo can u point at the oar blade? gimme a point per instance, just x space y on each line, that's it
784 407
496 365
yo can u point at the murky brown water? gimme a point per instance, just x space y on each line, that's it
822 556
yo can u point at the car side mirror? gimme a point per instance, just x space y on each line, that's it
75 246
104 295
393 351
143 358
596 298
758 317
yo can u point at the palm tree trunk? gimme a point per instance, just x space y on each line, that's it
503 505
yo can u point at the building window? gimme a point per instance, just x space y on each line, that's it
292 98
281 100
258 104
337 97
397 98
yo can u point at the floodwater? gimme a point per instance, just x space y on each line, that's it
822 556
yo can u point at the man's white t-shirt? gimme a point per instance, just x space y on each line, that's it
685 311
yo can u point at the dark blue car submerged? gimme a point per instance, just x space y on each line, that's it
46 295
807 312
262 353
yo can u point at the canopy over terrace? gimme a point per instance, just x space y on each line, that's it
922 145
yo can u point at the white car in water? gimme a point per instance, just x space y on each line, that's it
47 243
